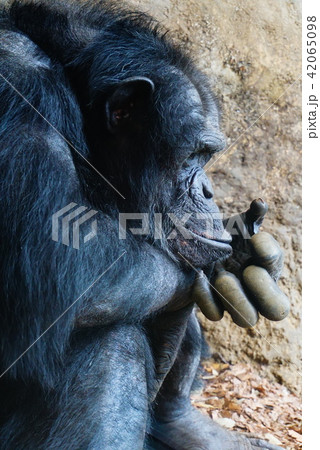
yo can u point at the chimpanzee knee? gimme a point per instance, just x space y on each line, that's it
100 401
106 389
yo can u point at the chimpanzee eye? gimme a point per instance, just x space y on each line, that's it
211 143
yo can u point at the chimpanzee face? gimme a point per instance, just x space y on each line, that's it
154 140
199 236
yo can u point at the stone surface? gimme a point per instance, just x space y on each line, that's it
251 52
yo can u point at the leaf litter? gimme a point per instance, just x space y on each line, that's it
236 397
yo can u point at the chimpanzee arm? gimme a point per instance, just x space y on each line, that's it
42 279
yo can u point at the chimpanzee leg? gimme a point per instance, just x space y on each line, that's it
174 397
106 402
102 401
176 423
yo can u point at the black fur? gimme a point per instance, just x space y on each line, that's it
105 324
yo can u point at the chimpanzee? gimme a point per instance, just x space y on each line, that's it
100 112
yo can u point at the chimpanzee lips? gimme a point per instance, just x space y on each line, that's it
211 240
201 248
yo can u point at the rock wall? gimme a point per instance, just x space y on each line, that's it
251 52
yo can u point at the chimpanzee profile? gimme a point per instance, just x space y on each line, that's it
100 345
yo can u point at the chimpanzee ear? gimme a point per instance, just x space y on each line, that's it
128 104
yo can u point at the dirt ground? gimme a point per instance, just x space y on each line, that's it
251 52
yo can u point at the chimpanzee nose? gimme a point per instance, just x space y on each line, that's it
203 185
207 190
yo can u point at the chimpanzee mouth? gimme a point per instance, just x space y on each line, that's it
210 240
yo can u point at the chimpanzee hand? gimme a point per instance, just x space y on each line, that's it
245 283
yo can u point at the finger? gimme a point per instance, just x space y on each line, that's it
246 224
202 295
267 253
255 214
235 301
271 302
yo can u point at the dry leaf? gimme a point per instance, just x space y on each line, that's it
272 439
225 422
295 435
237 397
